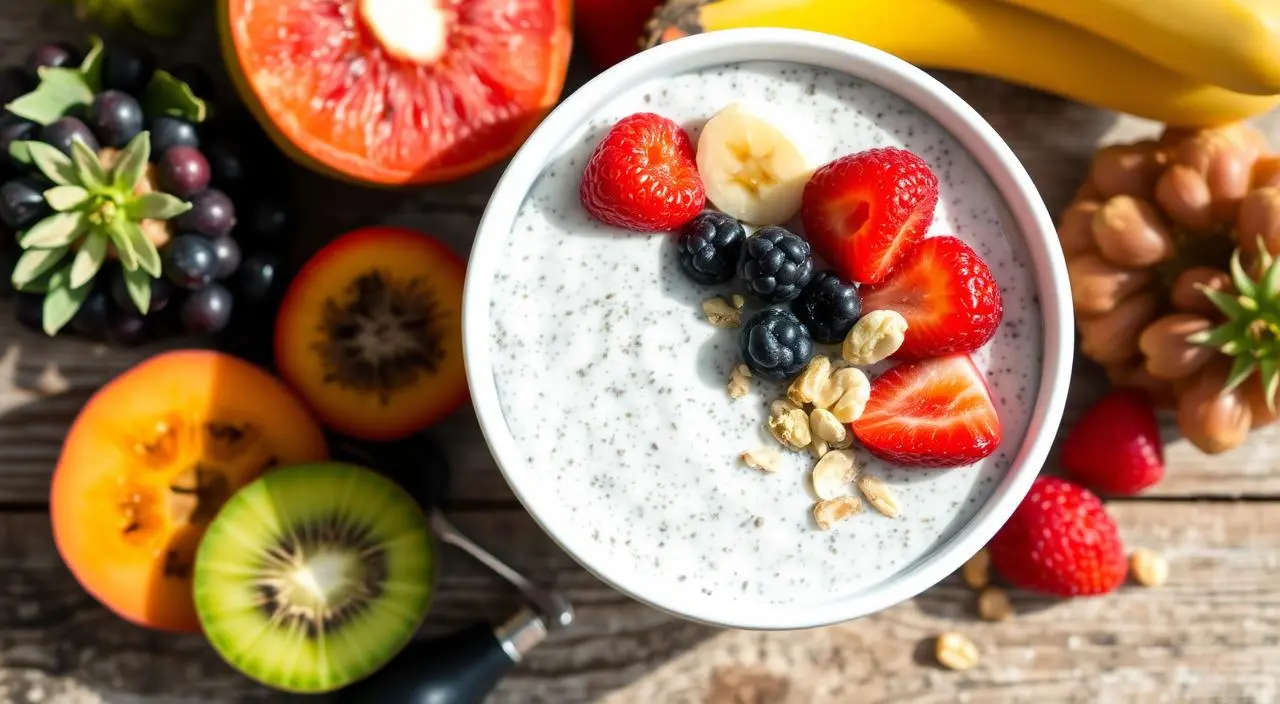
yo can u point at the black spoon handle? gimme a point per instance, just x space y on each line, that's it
462 668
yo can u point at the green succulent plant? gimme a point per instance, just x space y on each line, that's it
1251 332
96 211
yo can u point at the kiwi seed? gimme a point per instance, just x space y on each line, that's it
384 338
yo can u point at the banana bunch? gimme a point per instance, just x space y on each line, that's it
1187 63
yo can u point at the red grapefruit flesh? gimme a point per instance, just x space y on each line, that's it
396 92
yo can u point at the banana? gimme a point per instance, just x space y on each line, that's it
750 168
985 37
1231 43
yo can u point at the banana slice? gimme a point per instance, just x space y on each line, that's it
750 168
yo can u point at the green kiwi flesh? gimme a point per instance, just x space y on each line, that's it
314 576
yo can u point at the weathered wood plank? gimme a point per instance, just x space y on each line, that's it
1212 632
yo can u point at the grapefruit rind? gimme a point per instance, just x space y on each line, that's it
313 154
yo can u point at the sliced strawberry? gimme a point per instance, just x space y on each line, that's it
934 413
862 212
948 295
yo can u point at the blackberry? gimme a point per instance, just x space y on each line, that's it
828 306
776 264
710 246
775 344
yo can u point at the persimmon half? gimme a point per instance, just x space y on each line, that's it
148 463
369 333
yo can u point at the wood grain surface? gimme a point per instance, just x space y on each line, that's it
1212 631
1211 634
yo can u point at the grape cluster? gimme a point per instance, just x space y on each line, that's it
222 255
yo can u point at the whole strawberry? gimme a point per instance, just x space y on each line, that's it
643 176
1060 541
1115 446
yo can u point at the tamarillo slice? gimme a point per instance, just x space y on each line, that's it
369 333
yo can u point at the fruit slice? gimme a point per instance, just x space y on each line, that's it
148 463
370 333
862 212
947 294
396 92
314 576
752 170
935 413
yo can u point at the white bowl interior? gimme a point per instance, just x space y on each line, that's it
565 130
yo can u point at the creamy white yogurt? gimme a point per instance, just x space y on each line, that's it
613 383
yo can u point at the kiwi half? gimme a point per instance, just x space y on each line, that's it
314 576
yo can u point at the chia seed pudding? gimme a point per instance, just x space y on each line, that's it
612 382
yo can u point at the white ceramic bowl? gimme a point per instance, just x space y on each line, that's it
916 87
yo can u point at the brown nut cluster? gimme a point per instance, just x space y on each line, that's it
1150 230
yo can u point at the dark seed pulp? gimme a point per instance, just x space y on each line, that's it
385 339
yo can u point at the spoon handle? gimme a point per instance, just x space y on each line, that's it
461 668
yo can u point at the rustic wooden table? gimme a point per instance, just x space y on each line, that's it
1212 633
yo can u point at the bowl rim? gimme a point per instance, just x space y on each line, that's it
924 92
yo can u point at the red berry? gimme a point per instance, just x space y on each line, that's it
1115 446
1060 541
934 413
643 176
947 294
862 212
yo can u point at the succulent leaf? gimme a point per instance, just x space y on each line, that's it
60 90
62 301
92 254
138 282
88 166
63 198
132 165
157 206
1251 331
35 263
55 165
57 230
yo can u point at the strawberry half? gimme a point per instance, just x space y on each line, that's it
948 295
1115 446
934 413
862 212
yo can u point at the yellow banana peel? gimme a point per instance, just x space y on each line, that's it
1231 43
990 38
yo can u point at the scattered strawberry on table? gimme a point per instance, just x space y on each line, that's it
1060 541
859 273
1115 448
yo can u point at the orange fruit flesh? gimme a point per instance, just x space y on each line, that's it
370 333
148 463
334 91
